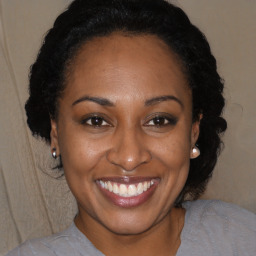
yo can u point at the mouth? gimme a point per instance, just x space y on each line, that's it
128 191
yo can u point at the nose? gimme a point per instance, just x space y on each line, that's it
128 151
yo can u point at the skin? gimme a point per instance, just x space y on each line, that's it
127 71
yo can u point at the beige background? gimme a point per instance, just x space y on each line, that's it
32 203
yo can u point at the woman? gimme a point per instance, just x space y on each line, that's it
129 98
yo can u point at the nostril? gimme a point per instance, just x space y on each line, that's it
128 162
128 150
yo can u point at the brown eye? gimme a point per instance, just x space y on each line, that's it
160 121
95 121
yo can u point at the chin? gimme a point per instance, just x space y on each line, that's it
126 229
130 223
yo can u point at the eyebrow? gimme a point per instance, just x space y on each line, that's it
108 103
98 100
159 99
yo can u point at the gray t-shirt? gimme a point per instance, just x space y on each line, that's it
211 228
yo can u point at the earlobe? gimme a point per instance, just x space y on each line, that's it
54 139
195 130
195 151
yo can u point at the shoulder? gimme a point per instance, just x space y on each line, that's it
205 209
220 226
69 242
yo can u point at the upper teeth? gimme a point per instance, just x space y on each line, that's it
126 190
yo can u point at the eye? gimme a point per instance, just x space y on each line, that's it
161 121
95 121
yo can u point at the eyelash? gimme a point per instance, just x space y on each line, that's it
162 119
166 118
101 121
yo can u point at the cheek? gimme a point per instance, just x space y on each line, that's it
174 150
80 153
81 156
174 155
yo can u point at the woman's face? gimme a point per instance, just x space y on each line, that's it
125 132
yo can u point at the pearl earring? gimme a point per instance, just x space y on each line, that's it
54 153
195 152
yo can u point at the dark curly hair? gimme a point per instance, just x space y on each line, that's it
85 19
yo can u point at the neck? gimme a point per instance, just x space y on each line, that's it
161 239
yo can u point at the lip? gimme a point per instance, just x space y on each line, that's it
128 202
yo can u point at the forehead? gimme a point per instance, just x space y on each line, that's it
134 65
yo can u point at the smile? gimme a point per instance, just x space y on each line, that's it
128 191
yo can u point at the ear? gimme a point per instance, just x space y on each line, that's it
195 131
54 137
